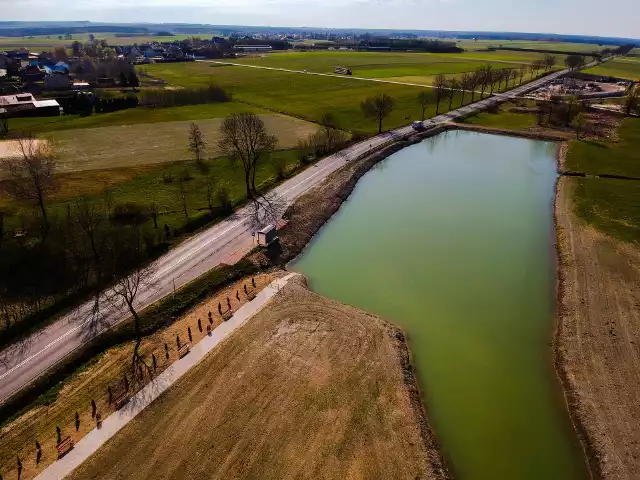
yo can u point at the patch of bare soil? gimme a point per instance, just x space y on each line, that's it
598 342
308 388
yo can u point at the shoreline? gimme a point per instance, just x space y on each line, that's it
595 343
590 454
326 199
305 219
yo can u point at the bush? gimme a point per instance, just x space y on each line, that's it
280 167
223 196
130 214
185 175
186 96
107 105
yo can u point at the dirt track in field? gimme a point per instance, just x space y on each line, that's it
598 340
308 388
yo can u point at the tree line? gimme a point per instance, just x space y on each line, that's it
484 80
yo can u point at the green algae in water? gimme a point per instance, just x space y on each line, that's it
452 239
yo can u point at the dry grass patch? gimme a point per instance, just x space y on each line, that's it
154 143
19 436
308 388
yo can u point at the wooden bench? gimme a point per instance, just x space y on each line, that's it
184 349
227 315
121 401
64 446
251 294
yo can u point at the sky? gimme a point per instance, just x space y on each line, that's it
585 17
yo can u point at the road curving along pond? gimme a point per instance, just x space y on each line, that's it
452 240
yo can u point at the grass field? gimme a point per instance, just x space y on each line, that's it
152 143
610 205
503 119
304 96
625 67
131 116
619 158
160 184
50 41
390 65
308 388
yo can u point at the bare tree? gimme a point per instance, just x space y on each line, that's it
197 145
522 71
31 175
182 192
548 62
129 283
244 138
579 123
632 102
465 82
265 210
439 84
474 80
487 72
452 86
4 124
378 108
334 138
514 76
423 98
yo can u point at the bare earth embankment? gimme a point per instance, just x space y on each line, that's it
309 388
598 340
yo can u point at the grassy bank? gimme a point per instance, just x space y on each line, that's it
620 157
625 67
610 205
132 116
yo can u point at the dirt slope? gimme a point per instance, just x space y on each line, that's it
598 341
309 388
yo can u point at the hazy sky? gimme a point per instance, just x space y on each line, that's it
596 17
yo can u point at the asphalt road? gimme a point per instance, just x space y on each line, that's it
222 243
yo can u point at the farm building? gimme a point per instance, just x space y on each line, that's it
253 48
25 104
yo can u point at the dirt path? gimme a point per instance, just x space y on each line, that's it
310 388
598 340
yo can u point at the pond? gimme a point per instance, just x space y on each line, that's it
452 240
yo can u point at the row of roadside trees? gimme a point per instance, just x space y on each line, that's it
484 80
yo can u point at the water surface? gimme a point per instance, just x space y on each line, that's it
451 240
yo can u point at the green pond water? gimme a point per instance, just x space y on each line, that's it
451 239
